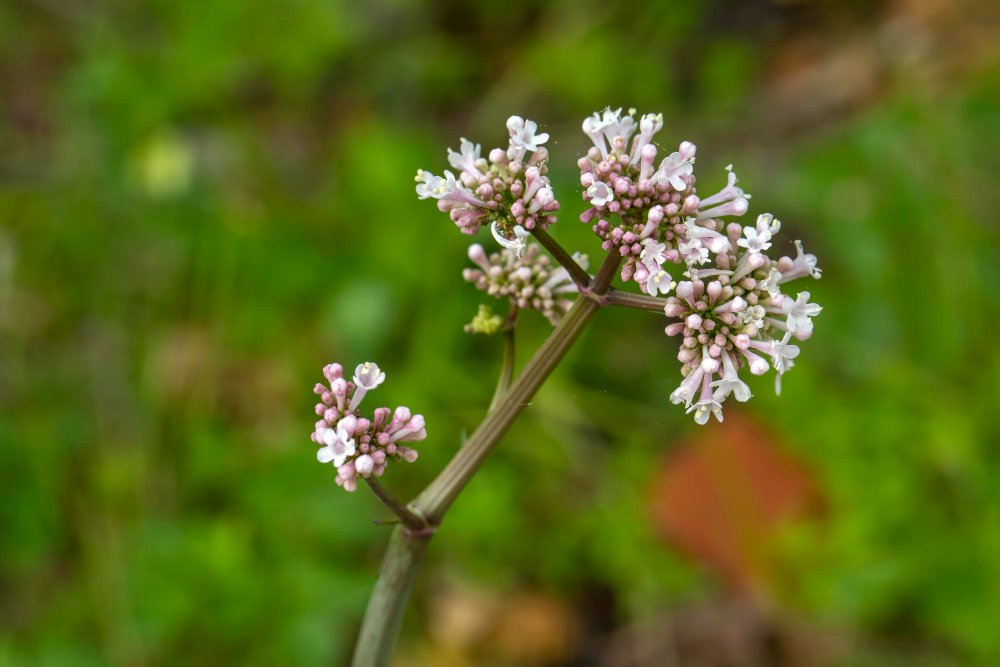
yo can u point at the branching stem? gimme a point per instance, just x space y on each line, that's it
629 300
576 272
384 614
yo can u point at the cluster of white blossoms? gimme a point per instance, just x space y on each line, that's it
509 191
644 206
355 445
733 313
660 218
528 279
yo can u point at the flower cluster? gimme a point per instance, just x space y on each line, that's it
357 445
735 316
660 216
527 278
509 191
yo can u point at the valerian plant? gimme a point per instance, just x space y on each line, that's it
728 309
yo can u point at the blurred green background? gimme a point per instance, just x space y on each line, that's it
203 203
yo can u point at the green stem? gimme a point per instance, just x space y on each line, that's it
387 604
507 363
640 301
576 272
406 516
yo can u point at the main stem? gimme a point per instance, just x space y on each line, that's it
406 548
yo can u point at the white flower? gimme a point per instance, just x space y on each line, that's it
367 376
445 188
593 127
726 194
673 168
338 445
693 252
652 254
659 282
756 240
616 125
522 134
600 194
803 265
767 222
688 386
465 159
426 183
800 313
782 355
516 245
706 405
730 382
771 283
649 125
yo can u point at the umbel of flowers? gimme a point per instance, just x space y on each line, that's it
526 278
734 315
650 212
358 445
729 307
508 190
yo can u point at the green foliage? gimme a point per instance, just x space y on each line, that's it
203 203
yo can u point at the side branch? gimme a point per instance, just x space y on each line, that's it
407 516
439 495
576 272
641 301
507 364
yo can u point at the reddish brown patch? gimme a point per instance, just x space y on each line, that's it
723 496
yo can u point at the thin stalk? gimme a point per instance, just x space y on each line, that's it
406 516
506 367
441 493
641 301
576 272
384 614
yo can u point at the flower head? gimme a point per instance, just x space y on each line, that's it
528 279
507 190
357 445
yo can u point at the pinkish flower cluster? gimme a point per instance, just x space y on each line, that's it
509 191
527 278
734 315
660 218
356 445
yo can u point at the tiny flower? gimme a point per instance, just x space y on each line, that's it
772 282
730 383
522 134
803 265
465 159
800 313
368 375
652 254
600 194
756 240
693 252
659 282
338 446
706 405
674 167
